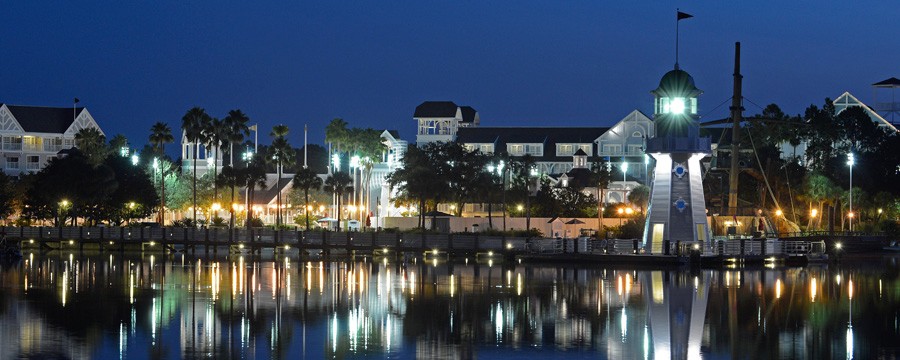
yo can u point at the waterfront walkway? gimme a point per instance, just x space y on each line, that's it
254 239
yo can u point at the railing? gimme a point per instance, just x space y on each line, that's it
265 237
667 144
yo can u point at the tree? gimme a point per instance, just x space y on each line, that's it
306 179
523 168
232 178
7 196
599 178
420 179
216 134
336 134
92 143
71 187
237 129
160 135
280 153
338 184
369 147
640 196
254 176
193 123
116 144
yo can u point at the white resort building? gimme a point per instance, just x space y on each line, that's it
32 135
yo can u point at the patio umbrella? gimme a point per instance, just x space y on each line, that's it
574 222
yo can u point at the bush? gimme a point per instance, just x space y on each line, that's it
510 233
218 221
256 222
631 229
184 223
890 227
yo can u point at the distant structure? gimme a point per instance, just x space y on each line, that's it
841 103
33 135
439 120
889 109
552 148
205 156
677 210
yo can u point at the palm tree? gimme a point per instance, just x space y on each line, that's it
523 168
369 145
91 142
230 177
217 133
160 135
193 123
600 178
338 184
640 196
336 135
280 152
307 179
236 124
254 176
237 129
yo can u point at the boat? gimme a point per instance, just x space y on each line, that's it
893 247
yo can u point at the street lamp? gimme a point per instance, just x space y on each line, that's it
63 205
850 162
357 195
624 180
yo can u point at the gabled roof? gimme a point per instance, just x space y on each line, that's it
436 109
394 133
39 119
847 100
892 82
468 113
549 136
580 152
269 194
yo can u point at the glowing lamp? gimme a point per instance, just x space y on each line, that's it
677 106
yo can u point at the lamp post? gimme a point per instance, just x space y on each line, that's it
248 157
500 168
354 169
624 180
531 173
60 218
850 162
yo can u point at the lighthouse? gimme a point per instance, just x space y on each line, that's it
677 211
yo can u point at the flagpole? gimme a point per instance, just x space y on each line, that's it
305 133
677 20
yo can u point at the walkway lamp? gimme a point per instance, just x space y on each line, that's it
63 206
850 162
624 180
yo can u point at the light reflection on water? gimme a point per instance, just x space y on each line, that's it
114 306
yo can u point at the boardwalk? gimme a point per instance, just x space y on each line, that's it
254 239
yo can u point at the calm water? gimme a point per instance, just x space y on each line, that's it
114 306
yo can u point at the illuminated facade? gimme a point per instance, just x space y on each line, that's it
33 135
677 210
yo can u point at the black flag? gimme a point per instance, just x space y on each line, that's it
76 100
684 15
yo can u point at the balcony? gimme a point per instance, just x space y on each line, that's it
679 144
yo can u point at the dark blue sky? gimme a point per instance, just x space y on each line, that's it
578 63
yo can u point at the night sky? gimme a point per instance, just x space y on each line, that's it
535 63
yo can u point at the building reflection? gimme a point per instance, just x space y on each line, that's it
71 306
